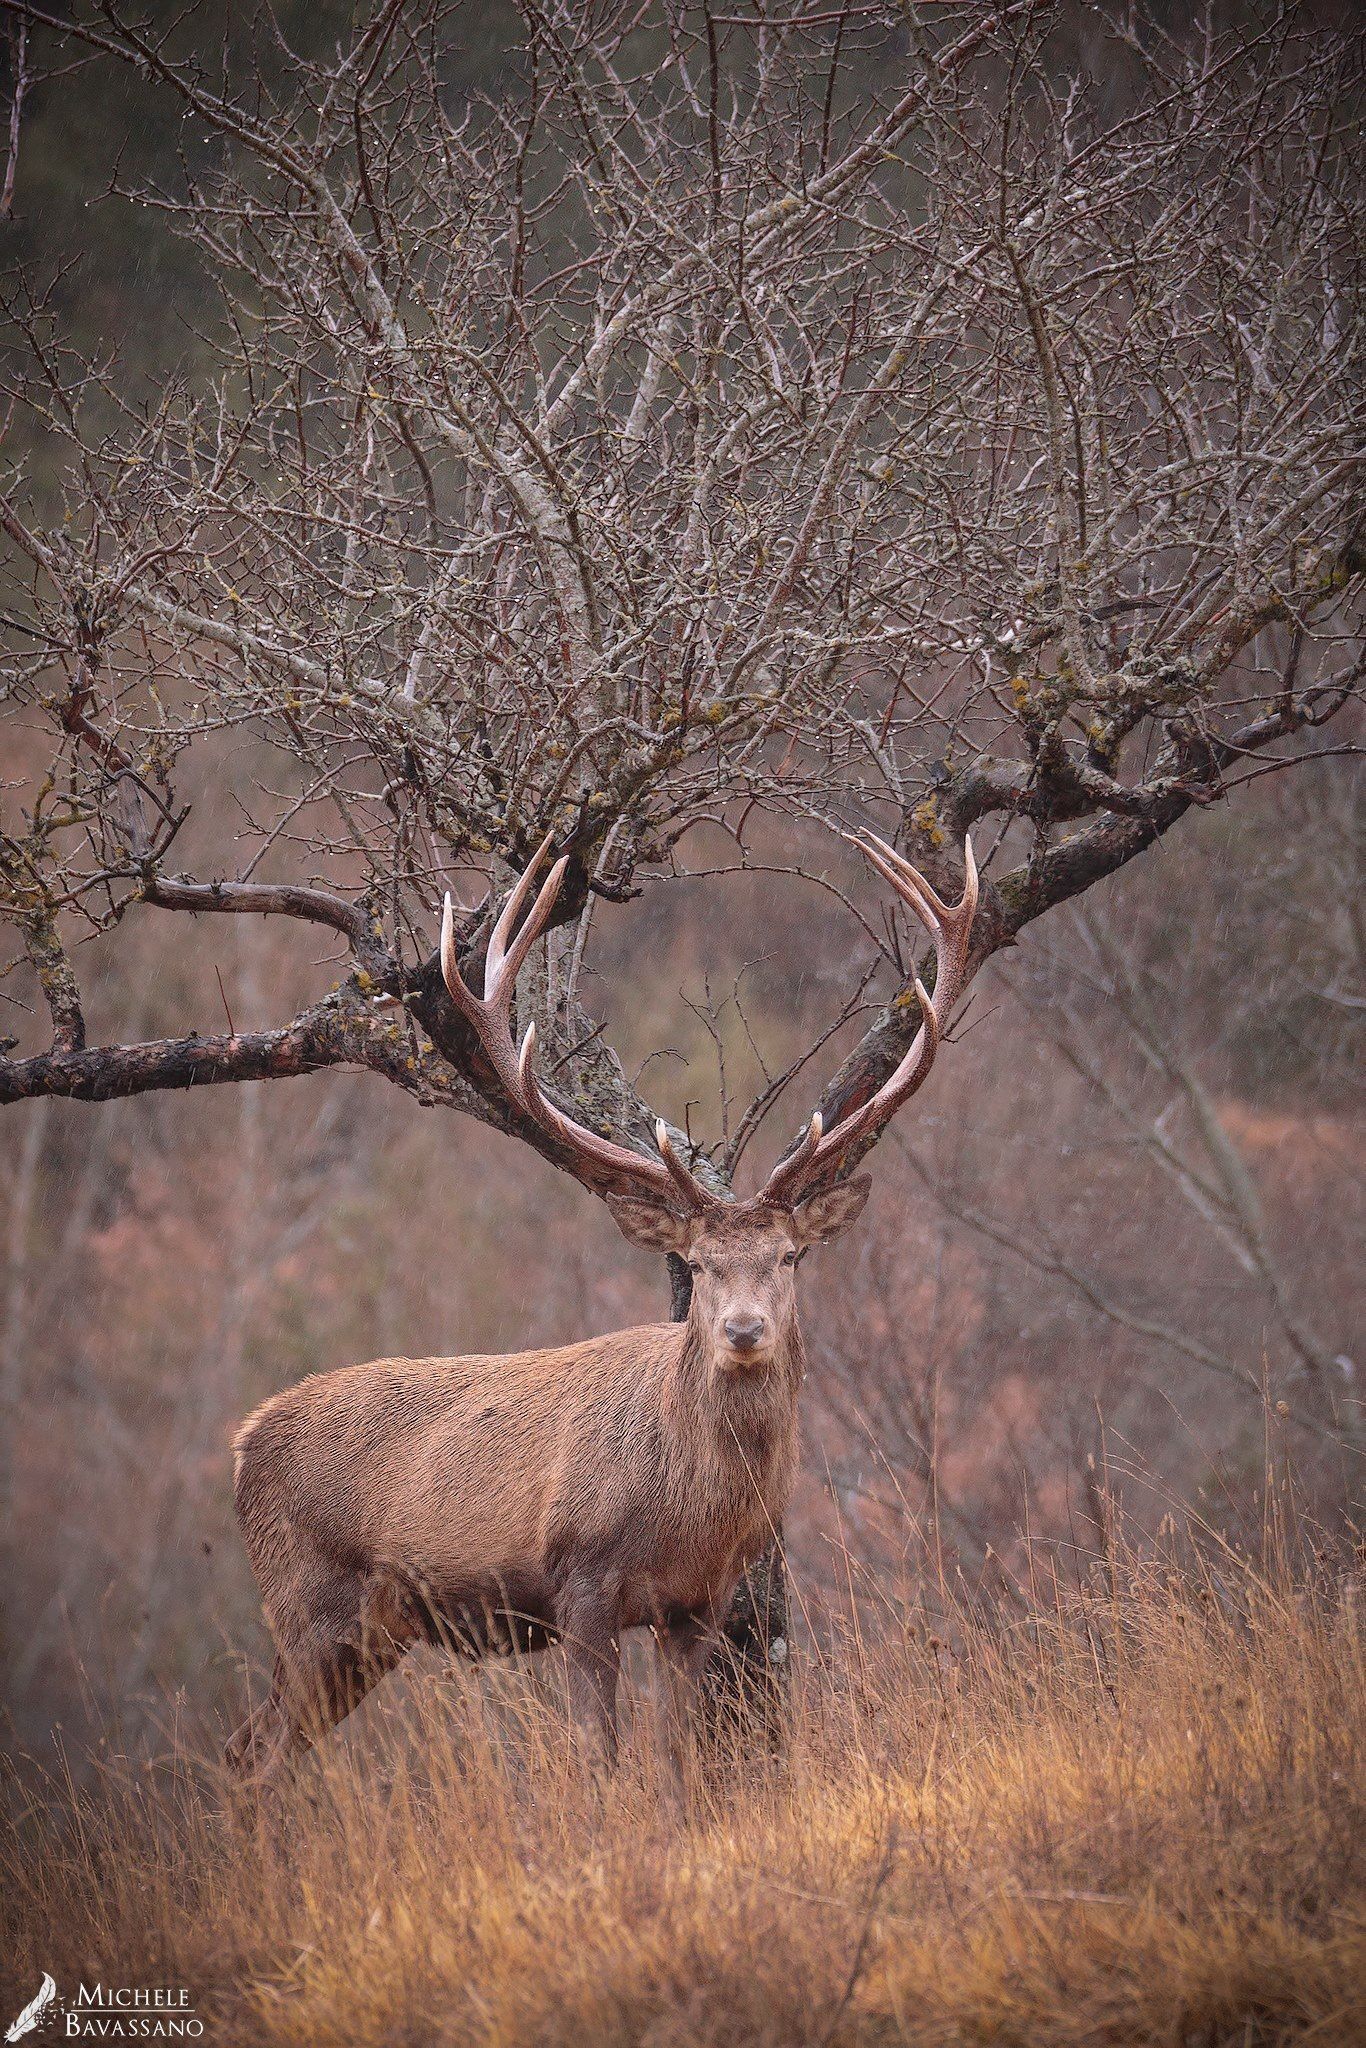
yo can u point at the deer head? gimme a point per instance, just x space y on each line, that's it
743 1260
742 1254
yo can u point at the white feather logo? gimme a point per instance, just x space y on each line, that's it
32 2014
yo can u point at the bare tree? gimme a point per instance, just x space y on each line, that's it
855 412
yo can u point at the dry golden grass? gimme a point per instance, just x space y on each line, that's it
1137 1815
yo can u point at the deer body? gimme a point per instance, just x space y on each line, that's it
564 1494
474 1488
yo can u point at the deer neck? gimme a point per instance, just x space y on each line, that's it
751 1404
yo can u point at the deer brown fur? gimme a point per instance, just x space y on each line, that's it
562 1494
569 1494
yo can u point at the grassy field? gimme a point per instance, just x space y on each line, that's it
1129 1812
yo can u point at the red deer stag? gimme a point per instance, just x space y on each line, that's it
573 1493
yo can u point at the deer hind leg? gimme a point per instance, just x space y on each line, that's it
335 1645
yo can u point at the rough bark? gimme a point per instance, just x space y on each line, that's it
99 1073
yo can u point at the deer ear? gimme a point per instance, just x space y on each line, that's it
827 1215
648 1224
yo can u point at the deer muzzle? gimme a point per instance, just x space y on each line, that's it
748 1339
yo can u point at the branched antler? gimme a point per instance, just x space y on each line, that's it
594 1158
613 1168
817 1157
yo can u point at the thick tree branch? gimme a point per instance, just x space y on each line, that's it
1066 869
266 899
103 1073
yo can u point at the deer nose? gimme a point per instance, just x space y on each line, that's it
744 1332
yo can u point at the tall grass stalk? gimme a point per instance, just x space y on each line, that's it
1130 1809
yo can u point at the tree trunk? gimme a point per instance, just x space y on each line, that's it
744 1687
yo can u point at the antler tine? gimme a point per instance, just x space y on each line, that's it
486 1015
691 1188
507 917
536 920
462 996
950 926
952 921
909 884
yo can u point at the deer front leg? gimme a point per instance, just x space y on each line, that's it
685 1643
588 1627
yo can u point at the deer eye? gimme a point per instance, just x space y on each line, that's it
694 1265
789 1258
